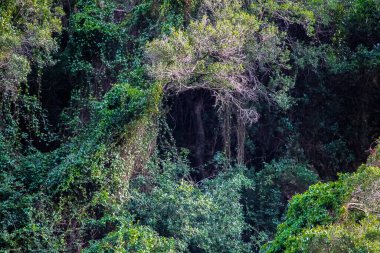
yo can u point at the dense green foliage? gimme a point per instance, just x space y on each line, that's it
194 214
189 125
26 38
339 216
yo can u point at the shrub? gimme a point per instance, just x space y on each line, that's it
329 216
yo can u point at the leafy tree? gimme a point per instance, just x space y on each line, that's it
27 43
274 185
231 57
26 39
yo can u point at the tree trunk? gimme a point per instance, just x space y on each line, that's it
200 135
226 129
240 138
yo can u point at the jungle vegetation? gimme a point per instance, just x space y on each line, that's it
190 126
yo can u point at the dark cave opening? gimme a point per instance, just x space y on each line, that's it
193 119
